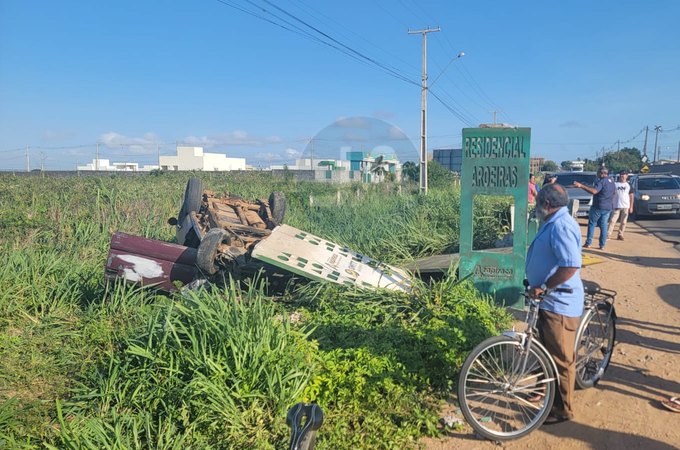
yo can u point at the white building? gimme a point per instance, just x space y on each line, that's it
359 166
105 165
194 158
577 166
317 164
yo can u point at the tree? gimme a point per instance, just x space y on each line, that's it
410 171
438 175
624 159
378 168
566 165
590 165
549 166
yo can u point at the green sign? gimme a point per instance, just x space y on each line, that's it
495 163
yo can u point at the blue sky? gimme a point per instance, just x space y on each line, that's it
134 75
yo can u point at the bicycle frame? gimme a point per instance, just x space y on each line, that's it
526 338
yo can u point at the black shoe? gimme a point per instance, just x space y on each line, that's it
554 418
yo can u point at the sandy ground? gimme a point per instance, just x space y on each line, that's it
623 410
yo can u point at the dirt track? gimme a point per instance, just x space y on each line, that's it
623 411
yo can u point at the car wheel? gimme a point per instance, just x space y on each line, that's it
207 251
277 205
193 195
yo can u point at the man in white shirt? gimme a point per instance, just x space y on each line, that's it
623 205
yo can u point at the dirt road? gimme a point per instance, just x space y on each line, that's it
623 410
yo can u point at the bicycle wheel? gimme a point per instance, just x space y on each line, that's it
594 345
501 397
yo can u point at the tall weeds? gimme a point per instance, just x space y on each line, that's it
88 365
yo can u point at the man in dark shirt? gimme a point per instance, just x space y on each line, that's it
604 193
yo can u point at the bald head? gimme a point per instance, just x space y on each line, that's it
553 196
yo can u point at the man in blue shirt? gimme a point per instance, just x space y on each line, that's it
604 194
554 261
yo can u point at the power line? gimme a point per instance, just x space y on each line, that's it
386 68
663 130
452 110
464 116
325 38
363 39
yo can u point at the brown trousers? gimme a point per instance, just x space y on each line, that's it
558 335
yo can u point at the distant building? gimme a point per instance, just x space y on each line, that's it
359 166
451 158
194 158
666 166
372 169
577 166
105 165
535 164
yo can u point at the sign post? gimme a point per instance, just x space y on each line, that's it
495 163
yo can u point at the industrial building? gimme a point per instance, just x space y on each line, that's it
451 158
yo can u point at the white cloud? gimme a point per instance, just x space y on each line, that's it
396 133
57 135
285 156
145 144
353 122
384 115
148 141
236 137
292 153
572 124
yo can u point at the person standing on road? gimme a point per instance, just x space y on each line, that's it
549 179
554 261
533 192
604 193
623 205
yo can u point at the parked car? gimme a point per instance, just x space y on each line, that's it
655 194
585 200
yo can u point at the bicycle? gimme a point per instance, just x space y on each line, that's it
595 336
508 383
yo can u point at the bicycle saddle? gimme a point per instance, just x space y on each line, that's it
304 419
591 287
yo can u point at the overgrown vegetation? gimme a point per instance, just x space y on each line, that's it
90 366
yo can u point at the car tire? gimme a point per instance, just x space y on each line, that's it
207 251
193 195
277 206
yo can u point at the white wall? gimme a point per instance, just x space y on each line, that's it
194 158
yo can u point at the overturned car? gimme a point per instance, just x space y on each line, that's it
222 236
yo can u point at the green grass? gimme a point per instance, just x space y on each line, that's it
88 365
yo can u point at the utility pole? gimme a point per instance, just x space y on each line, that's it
311 149
494 116
423 111
657 129
644 149
618 145
679 151
96 161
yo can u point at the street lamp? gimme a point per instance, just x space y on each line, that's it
459 55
